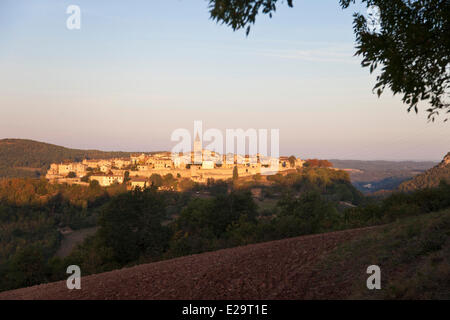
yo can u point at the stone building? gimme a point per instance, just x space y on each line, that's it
139 182
107 179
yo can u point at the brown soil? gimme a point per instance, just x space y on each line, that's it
281 269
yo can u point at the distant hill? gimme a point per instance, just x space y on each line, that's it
27 158
377 175
430 178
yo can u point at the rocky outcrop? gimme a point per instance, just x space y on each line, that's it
446 161
430 178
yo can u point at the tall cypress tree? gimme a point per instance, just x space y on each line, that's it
235 173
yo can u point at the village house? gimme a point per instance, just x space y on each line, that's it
92 163
121 163
181 161
107 179
138 159
139 182
150 161
118 172
144 167
163 163
106 168
208 165
64 169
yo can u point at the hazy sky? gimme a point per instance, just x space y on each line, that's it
137 70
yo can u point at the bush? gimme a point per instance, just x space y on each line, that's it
72 175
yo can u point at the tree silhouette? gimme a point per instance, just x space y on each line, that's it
235 173
292 160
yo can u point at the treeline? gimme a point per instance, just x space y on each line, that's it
399 205
318 163
386 184
334 185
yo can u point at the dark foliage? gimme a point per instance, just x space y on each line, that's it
241 13
409 41
131 225
399 205
31 211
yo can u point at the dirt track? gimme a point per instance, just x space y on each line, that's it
281 269
70 241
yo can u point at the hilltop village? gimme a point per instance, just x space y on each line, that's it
199 166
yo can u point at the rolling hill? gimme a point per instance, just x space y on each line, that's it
412 254
377 175
430 178
27 158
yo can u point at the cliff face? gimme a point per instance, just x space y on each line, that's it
446 161
430 178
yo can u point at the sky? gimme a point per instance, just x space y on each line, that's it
138 70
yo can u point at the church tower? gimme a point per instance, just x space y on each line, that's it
198 150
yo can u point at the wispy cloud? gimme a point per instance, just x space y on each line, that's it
314 55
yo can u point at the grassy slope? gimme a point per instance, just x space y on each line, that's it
413 254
